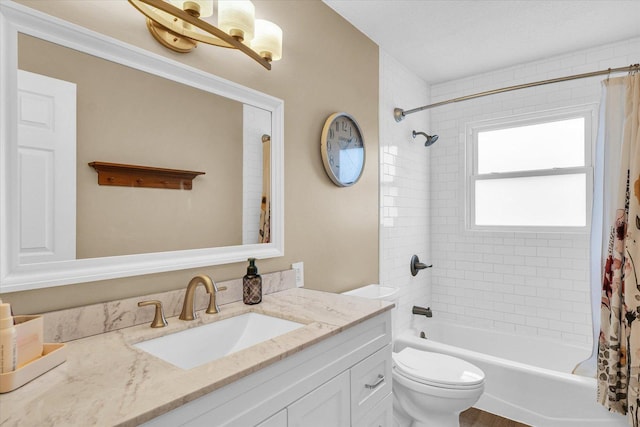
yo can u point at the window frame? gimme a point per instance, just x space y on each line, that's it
587 112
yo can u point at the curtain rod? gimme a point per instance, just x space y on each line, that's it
399 114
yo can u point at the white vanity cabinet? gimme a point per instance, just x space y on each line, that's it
328 405
353 398
344 380
276 420
380 416
370 383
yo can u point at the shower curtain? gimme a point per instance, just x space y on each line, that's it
265 204
618 145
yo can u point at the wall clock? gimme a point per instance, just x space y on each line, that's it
342 147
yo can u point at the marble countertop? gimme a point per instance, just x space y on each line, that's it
106 381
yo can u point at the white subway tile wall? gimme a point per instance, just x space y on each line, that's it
404 189
529 283
256 122
526 283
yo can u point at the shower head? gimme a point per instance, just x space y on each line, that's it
430 138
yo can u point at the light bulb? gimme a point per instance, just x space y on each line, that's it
204 8
236 18
268 40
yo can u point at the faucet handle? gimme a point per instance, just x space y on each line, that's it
213 305
159 321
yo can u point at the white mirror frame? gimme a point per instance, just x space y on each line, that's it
14 19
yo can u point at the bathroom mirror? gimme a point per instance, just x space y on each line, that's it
73 230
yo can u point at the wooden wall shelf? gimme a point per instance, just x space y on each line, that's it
143 176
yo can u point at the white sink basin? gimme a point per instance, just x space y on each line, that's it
196 346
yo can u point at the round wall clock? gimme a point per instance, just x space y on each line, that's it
342 147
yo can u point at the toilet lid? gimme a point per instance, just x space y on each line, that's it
436 368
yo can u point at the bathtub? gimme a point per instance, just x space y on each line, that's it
527 379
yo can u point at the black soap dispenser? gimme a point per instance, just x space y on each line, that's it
252 284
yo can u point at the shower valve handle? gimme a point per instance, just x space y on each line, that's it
416 265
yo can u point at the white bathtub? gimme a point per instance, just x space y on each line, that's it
527 379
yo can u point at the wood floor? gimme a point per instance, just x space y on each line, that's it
476 418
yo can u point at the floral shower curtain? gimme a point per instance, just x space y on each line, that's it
265 205
619 340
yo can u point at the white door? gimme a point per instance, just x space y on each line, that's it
328 405
46 169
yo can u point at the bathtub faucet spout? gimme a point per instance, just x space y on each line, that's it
422 311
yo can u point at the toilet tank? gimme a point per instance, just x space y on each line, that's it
380 292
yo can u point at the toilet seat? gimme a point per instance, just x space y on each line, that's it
437 370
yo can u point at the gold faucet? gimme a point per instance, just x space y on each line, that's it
188 308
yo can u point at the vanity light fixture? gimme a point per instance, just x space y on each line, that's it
178 25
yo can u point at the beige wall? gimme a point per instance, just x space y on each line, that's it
327 66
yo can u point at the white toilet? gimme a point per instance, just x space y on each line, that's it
431 389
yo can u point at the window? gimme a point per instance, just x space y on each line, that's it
531 174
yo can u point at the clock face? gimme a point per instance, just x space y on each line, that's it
342 148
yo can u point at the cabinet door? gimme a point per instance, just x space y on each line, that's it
328 405
277 420
370 383
380 416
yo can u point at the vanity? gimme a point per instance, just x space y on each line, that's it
334 370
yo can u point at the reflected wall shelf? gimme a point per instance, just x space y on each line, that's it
143 176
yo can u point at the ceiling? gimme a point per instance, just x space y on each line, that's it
443 40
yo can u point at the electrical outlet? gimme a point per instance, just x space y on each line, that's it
298 267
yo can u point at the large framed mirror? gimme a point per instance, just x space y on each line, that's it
72 98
